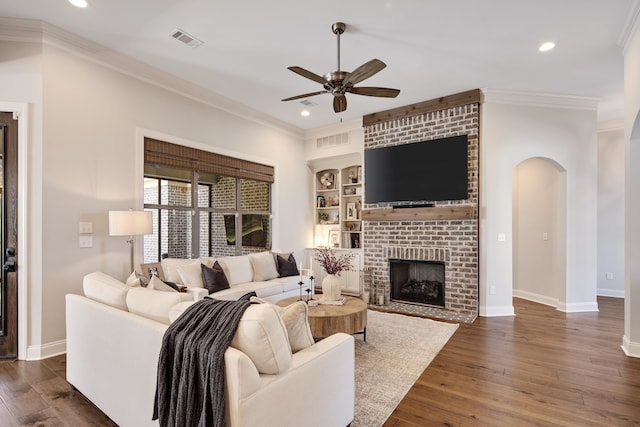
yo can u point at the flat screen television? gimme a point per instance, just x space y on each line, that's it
426 171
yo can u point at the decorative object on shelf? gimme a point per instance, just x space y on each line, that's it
336 218
349 191
333 265
320 201
351 211
334 238
353 178
354 240
323 217
327 179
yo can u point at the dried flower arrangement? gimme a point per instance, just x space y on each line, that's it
333 264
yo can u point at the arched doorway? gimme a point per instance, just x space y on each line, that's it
539 210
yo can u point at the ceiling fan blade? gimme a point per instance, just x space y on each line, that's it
308 74
364 72
305 95
384 92
339 103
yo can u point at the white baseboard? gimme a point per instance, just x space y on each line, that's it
506 310
38 352
540 299
578 307
631 349
574 307
614 293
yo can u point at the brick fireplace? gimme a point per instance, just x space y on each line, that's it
445 232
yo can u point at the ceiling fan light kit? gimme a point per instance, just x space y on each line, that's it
338 83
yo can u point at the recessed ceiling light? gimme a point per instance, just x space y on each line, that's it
305 113
79 3
546 46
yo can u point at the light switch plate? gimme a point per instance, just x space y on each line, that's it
85 227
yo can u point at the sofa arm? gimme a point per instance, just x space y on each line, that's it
321 376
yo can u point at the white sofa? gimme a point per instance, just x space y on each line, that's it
255 272
113 350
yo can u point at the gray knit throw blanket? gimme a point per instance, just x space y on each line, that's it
190 384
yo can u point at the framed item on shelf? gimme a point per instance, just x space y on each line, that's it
334 238
351 211
320 201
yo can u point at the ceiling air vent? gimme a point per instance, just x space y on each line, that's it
333 140
186 38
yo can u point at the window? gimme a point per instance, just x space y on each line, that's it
198 212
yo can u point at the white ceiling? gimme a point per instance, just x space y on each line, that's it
432 48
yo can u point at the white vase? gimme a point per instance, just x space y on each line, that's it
331 288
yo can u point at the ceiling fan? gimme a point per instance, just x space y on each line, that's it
338 83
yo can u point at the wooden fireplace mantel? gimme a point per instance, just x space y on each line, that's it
424 213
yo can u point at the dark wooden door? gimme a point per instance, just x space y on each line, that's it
9 236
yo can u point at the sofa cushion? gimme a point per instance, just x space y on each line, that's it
214 278
191 273
287 266
295 317
262 336
262 289
237 269
103 288
152 304
263 266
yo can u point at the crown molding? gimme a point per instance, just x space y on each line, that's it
27 30
546 100
611 125
630 26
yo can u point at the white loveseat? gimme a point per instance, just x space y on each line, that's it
257 272
112 356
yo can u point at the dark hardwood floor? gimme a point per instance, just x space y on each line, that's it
540 368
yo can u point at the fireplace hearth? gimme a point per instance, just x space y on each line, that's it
418 282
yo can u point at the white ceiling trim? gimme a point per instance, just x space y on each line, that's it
630 26
25 30
546 100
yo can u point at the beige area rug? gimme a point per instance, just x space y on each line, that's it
398 349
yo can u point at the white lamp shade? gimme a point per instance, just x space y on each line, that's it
130 223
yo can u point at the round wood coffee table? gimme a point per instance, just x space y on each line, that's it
326 319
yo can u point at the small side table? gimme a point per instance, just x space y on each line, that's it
325 319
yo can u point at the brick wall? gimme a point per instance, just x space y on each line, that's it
453 241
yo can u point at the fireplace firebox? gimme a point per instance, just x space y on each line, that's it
418 282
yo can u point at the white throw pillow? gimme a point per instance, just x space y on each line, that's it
169 268
296 320
191 274
133 280
262 336
105 289
264 268
158 285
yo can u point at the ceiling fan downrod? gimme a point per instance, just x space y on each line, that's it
338 28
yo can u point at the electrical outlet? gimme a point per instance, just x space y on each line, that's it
492 290
85 227
502 237
609 276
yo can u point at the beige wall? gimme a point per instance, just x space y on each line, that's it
84 155
631 339
511 134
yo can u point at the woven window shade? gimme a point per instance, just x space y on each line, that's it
166 154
